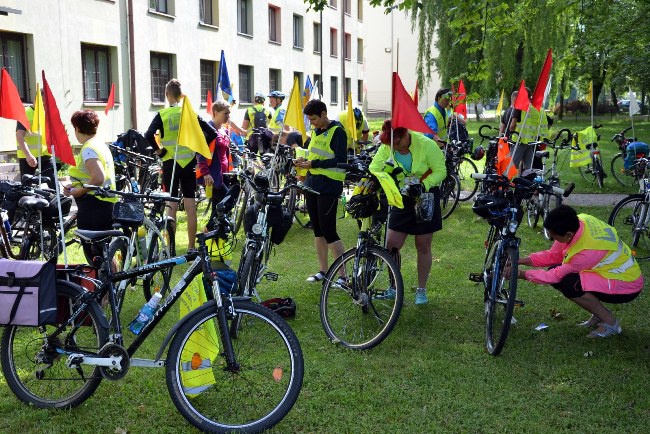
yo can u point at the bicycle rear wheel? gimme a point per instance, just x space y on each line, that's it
33 366
623 176
449 195
500 296
630 218
252 397
157 281
361 313
599 172
468 186
532 211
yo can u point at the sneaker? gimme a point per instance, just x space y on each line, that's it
316 277
421 296
389 294
341 282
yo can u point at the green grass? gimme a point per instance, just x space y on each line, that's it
430 375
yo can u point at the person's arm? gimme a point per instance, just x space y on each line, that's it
583 260
150 135
435 162
379 160
431 121
236 129
20 140
208 130
97 178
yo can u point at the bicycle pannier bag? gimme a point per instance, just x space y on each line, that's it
129 213
635 150
27 293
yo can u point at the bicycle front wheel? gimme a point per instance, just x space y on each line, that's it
157 281
449 195
620 174
630 218
251 396
599 172
361 313
32 362
468 186
532 211
500 299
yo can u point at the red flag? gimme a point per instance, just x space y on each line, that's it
209 102
460 106
111 99
415 94
542 81
405 112
11 106
57 137
522 102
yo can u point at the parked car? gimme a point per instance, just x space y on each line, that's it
624 104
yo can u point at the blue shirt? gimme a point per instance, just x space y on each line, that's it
431 121
405 160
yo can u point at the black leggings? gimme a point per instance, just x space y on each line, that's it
322 213
571 287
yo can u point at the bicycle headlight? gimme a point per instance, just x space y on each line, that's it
257 229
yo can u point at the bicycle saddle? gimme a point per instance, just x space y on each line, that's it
34 203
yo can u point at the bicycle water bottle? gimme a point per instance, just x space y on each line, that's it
538 178
142 243
134 186
145 314
7 224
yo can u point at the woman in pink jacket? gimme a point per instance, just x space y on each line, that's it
589 264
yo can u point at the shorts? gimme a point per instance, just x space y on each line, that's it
571 287
183 175
525 153
404 219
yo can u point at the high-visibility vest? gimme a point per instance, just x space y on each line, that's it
536 126
257 108
79 173
32 140
582 157
618 264
301 153
171 119
273 123
200 351
319 149
441 119
504 159
343 118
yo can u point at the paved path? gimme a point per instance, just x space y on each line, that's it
602 199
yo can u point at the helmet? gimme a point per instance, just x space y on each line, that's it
362 205
478 153
261 180
490 206
277 94
259 97
358 117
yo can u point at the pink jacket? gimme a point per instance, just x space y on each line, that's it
583 260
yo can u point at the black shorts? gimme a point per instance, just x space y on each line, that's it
183 175
571 287
404 219
47 169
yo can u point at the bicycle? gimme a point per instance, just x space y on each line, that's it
462 167
450 189
628 172
588 138
631 218
255 377
503 210
360 310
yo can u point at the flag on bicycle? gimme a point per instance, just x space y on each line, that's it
405 112
56 135
294 116
110 102
38 123
307 94
522 102
634 105
190 134
11 106
540 88
415 94
208 102
459 99
351 124
497 113
590 93
224 80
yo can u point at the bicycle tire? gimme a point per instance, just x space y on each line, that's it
625 216
355 315
586 172
619 173
118 251
255 397
449 195
247 273
157 281
468 186
240 209
22 357
532 212
31 249
500 299
599 172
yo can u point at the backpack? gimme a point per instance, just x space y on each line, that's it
259 121
458 131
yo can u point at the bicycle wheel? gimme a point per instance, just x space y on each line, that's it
449 195
620 173
157 281
468 186
532 211
240 209
599 172
32 249
587 172
500 299
118 251
36 371
248 273
630 218
362 313
252 397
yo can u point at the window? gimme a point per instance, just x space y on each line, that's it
347 7
334 90
244 17
359 50
347 47
12 57
275 79
208 78
161 73
333 43
318 40
298 74
245 84
297 31
318 85
333 4
96 67
274 24
209 12
162 6
347 89
360 91
360 10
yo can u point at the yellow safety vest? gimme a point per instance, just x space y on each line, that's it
33 140
301 153
582 156
319 149
251 117
171 119
343 118
79 172
618 264
273 124
533 129
441 120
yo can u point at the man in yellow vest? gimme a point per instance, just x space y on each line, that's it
590 264
30 146
361 124
327 148
437 116
257 116
276 124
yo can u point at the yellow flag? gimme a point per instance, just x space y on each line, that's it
352 127
590 94
190 134
38 123
500 105
293 116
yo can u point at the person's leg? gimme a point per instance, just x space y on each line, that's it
320 244
327 207
589 302
190 210
321 253
423 248
187 181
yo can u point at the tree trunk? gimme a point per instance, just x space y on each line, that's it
644 109
478 118
562 85
519 61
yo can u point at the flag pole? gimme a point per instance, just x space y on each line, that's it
58 205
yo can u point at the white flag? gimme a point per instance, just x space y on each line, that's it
634 106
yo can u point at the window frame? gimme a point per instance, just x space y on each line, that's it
298 36
159 56
247 20
214 12
334 90
347 46
318 37
100 91
246 94
207 82
275 75
360 10
333 4
360 50
360 91
168 9
334 46
22 81
275 24
347 7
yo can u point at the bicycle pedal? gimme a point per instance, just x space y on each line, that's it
476 277
271 276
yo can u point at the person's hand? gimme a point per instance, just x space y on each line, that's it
67 190
208 180
31 161
302 163
415 190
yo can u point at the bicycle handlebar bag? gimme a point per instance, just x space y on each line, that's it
128 213
27 293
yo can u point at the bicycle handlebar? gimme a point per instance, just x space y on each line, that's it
132 154
485 136
105 191
525 183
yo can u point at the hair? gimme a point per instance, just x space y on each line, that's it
398 133
513 96
219 106
86 121
315 107
441 92
173 87
561 220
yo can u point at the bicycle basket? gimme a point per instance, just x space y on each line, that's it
128 213
362 205
489 206
424 207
